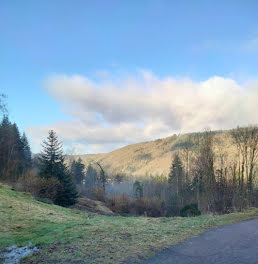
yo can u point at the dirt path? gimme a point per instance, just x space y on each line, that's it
232 244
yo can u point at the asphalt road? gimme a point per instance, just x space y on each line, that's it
232 244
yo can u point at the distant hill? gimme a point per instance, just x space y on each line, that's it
153 157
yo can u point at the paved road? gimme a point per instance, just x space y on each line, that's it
232 244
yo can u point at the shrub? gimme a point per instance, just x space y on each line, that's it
49 188
28 182
44 200
98 194
153 207
190 210
38 187
122 204
119 203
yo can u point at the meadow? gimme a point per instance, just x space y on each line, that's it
66 235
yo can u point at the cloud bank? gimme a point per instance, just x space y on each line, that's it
110 113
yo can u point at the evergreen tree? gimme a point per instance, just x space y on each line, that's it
17 155
51 159
77 171
3 108
91 179
52 165
175 176
26 151
5 145
67 195
138 190
11 151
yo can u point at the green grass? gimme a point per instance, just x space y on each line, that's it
68 236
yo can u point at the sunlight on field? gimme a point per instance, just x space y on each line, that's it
65 235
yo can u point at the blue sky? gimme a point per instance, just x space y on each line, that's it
111 42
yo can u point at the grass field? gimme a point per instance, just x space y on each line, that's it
68 236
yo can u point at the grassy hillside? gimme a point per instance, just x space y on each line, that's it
153 157
68 236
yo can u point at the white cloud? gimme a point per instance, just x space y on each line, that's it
112 113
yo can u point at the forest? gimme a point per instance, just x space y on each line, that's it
203 177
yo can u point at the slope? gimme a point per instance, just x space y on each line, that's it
153 157
69 236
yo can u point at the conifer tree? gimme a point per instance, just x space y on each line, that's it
138 190
175 176
5 145
11 151
52 165
67 195
77 171
17 153
91 179
26 151
3 108
51 157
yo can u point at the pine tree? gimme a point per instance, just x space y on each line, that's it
3 109
52 165
11 151
67 195
175 176
91 179
5 145
51 158
77 171
17 152
138 190
26 152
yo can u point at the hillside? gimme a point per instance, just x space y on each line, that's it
70 236
153 157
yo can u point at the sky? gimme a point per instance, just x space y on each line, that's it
105 74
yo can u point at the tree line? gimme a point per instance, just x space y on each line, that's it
15 153
203 176
210 172
46 175
51 177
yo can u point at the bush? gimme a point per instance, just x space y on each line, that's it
28 182
153 207
122 204
119 203
44 200
38 187
98 194
49 188
190 210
